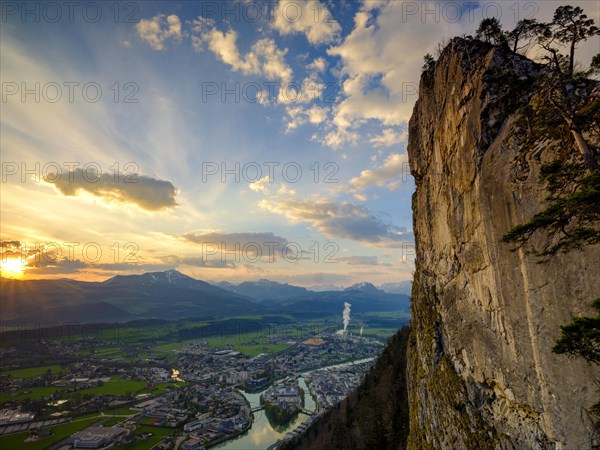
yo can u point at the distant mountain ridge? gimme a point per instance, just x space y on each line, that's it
166 295
264 289
400 287
174 295
271 290
283 298
364 287
169 277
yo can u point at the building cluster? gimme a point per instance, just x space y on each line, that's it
326 349
331 385
95 437
124 435
199 363
285 395
205 409
163 414
221 413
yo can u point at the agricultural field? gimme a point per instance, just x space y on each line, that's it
173 346
379 332
249 345
113 421
31 372
402 315
116 386
33 393
163 387
251 336
120 412
158 434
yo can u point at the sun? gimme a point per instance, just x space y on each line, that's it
12 268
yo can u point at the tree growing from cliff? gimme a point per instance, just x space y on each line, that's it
565 108
571 218
595 66
581 337
569 27
572 26
428 62
490 31
525 30
575 110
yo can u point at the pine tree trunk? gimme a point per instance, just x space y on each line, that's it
572 56
582 145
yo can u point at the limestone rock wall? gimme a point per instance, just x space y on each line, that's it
481 368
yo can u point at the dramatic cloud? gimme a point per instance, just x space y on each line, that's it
158 29
389 137
380 82
57 266
311 18
11 245
264 58
340 220
390 175
148 193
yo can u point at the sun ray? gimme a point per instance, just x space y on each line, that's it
12 267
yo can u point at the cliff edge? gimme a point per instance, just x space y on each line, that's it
482 373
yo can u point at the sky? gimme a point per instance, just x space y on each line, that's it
234 140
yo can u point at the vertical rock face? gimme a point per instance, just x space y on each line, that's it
482 373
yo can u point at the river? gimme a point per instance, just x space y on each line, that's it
262 434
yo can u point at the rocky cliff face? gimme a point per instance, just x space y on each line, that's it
482 374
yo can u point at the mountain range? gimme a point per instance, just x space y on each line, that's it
173 295
264 289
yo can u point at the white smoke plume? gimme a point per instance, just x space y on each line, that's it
361 330
346 315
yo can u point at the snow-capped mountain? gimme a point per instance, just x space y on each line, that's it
401 287
365 287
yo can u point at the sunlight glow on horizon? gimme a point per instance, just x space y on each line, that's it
12 268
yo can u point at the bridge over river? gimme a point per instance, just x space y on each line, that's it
302 410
